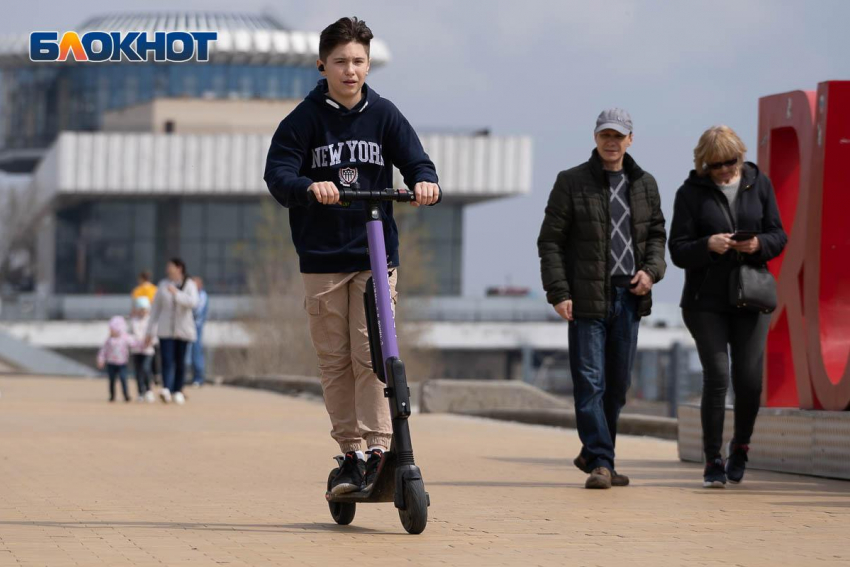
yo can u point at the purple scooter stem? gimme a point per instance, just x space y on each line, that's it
380 277
399 480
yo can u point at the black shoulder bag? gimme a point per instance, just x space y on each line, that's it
750 287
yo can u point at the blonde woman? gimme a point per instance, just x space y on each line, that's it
725 215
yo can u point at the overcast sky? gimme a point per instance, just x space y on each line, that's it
546 69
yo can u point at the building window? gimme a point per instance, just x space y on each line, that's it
37 102
102 245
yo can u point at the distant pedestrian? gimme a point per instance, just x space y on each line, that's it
195 357
147 289
142 354
172 321
144 287
114 355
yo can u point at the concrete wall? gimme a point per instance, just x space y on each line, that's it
815 443
199 116
475 364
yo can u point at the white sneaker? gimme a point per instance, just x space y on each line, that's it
179 399
165 395
140 399
149 397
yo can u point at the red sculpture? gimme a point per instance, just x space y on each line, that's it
804 147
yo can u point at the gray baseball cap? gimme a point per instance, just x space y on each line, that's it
614 119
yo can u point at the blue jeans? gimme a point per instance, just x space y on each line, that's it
173 353
117 372
601 355
195 357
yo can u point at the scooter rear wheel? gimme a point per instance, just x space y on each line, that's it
414 517
341 512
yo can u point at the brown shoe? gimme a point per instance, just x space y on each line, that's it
618 479
581 463
599 478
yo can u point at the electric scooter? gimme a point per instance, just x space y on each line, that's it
399 480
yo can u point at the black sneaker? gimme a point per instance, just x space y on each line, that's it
350 475
714 475
373 466
736 464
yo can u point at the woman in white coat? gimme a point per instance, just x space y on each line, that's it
172 321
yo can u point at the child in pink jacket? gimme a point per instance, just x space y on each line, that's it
114 354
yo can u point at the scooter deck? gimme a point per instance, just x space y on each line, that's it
382 491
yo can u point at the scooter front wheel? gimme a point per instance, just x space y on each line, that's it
341 512
414 517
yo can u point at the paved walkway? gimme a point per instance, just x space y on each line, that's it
236 477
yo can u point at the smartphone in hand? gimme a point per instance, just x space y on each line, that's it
742 235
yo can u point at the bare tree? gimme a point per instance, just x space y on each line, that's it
280 340
17 224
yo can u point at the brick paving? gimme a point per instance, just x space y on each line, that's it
236 477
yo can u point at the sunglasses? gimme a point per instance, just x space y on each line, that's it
718 165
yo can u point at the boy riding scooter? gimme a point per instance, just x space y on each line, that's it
345 135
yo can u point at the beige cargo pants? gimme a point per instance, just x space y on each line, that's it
354 397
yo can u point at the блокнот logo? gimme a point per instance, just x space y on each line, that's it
99 46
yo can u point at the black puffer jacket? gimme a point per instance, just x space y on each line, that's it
575 240
697 216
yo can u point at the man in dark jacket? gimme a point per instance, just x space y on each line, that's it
601 250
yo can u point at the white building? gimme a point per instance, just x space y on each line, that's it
121 154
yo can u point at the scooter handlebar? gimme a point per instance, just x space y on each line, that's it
350 195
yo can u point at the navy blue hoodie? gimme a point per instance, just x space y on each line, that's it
323 141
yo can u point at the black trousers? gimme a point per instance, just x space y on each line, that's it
156 368
720 337
142 366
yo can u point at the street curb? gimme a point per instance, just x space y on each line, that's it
628 424
469 396
290 385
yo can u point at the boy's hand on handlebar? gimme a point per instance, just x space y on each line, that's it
325 191
426 193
